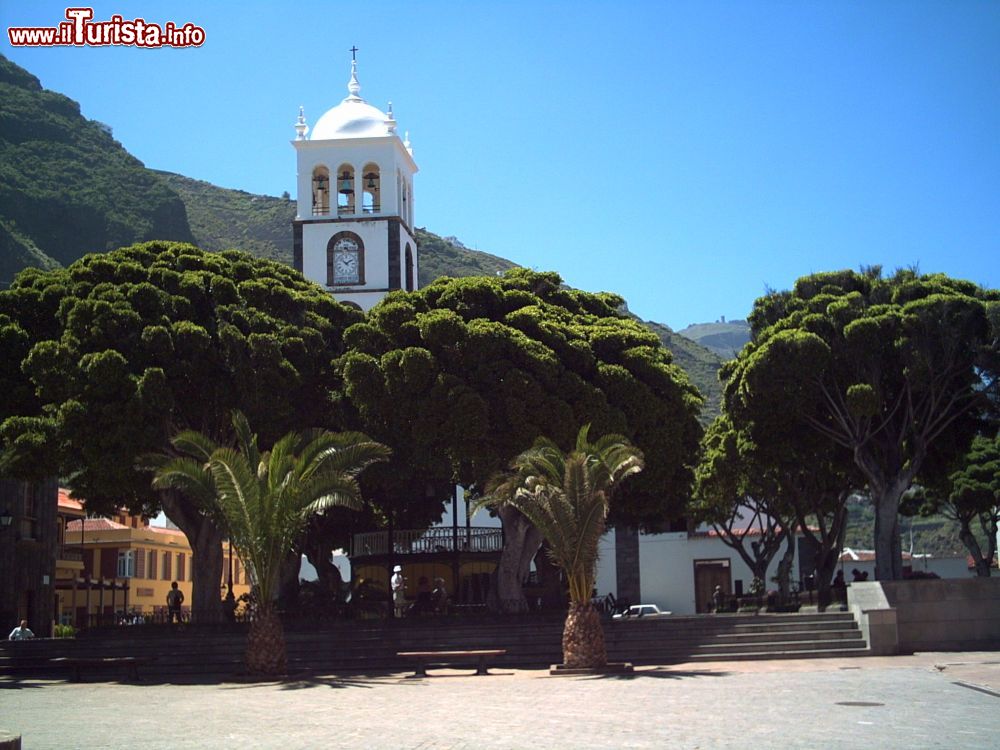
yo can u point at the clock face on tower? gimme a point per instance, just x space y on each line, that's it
346 262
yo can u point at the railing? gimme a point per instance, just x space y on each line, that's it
320 210
70 555
423 541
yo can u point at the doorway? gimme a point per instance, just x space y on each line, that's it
707 575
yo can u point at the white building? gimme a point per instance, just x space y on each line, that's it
353 231
678 571
863 561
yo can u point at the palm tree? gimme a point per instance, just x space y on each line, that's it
567 496
266 499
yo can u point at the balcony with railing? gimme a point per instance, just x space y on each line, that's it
70 554
427 541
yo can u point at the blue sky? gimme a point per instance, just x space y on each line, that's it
685 155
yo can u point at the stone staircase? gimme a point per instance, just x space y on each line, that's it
735 637
192 654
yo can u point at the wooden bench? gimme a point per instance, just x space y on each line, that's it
79 663
426 658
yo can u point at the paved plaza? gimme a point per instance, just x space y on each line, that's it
945 700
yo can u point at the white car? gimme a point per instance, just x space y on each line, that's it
641 610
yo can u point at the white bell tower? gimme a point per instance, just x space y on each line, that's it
353 231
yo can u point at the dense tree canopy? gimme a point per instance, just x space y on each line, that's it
970 495
888 368
122 350
461 376
475 369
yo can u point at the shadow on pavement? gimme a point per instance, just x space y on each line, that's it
663 673
13 683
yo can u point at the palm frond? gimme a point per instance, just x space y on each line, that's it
245 438
187 476
194 444
566 497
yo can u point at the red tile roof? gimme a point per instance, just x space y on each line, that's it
65 501
95 524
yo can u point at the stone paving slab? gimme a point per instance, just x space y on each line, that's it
923 701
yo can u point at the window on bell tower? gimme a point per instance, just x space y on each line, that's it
409 268
321 191
372 181
345 189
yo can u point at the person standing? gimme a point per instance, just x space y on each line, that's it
398 584
439 597
21 633
718 599
175 598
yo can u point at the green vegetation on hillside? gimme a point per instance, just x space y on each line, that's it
67 187
222 219
931 535
701 364
446 256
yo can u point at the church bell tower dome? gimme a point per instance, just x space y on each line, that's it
353 231
353 117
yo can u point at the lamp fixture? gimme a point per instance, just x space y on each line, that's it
6 518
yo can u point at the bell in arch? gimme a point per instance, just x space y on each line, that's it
345 186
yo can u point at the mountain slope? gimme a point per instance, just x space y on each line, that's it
221 218
66 186
701 364
446 256
724 338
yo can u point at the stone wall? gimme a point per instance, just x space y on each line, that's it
946 615
928 615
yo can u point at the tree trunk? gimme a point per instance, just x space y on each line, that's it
266 654
583 637
205 538
553 589
888 548
521 541
826 567
785 569
288 581
828 544
972 545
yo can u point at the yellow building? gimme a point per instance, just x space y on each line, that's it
108 569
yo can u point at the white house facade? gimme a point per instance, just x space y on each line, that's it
678 571
353 230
